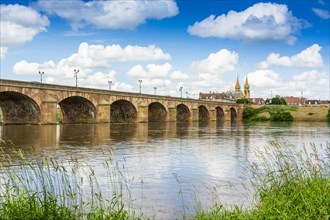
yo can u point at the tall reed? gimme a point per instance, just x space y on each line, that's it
49 188
289 184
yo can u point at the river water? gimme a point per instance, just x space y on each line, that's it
169 166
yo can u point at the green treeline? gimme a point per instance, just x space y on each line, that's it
276 113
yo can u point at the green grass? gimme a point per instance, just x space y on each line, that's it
288 185
48 188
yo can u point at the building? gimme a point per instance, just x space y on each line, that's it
294 100
231 95
313 102
256 101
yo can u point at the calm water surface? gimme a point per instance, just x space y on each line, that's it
204 161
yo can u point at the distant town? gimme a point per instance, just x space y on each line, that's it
235 94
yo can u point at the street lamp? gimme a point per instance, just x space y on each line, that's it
41 73
155 88
76 71
110 82
181 90
140 81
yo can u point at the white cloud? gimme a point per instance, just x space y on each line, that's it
324 14
310 57
266 82
115 52
222 61
94 64
90 58
264 78
25 68
19 24
318 78
178 75
150 71
260 22
109 14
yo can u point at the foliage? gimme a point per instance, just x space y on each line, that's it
275 101
288 185
328 115
248 113
243 101
279 115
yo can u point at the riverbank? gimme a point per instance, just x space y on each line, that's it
289 184
299 113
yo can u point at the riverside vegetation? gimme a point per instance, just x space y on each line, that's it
286 113
289 184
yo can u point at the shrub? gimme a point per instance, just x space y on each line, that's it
243 101
279 115
328 115
248 113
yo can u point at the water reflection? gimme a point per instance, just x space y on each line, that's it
203 155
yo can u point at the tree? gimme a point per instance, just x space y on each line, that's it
275 101
280 115
242 101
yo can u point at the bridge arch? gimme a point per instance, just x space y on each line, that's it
122 111
182 113
18 108
233 114
220 114
77 109
203 113
156 112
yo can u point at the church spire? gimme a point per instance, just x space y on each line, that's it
237 86
246 88
246 85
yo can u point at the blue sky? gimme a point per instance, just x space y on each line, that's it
282 46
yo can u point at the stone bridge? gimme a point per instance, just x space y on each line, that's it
37 103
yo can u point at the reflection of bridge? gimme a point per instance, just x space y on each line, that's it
36 103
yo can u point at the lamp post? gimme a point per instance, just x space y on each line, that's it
186 94
110 82
181 90
76 71
140 81
155 88
41 73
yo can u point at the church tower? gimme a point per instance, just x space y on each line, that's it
246 88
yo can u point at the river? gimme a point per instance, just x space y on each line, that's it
169 166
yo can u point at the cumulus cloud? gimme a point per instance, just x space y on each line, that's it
266 82
150 71
264 78
91 57
260 22
324 14
310 57
216 63
19 24
178 75
94 62
109 14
